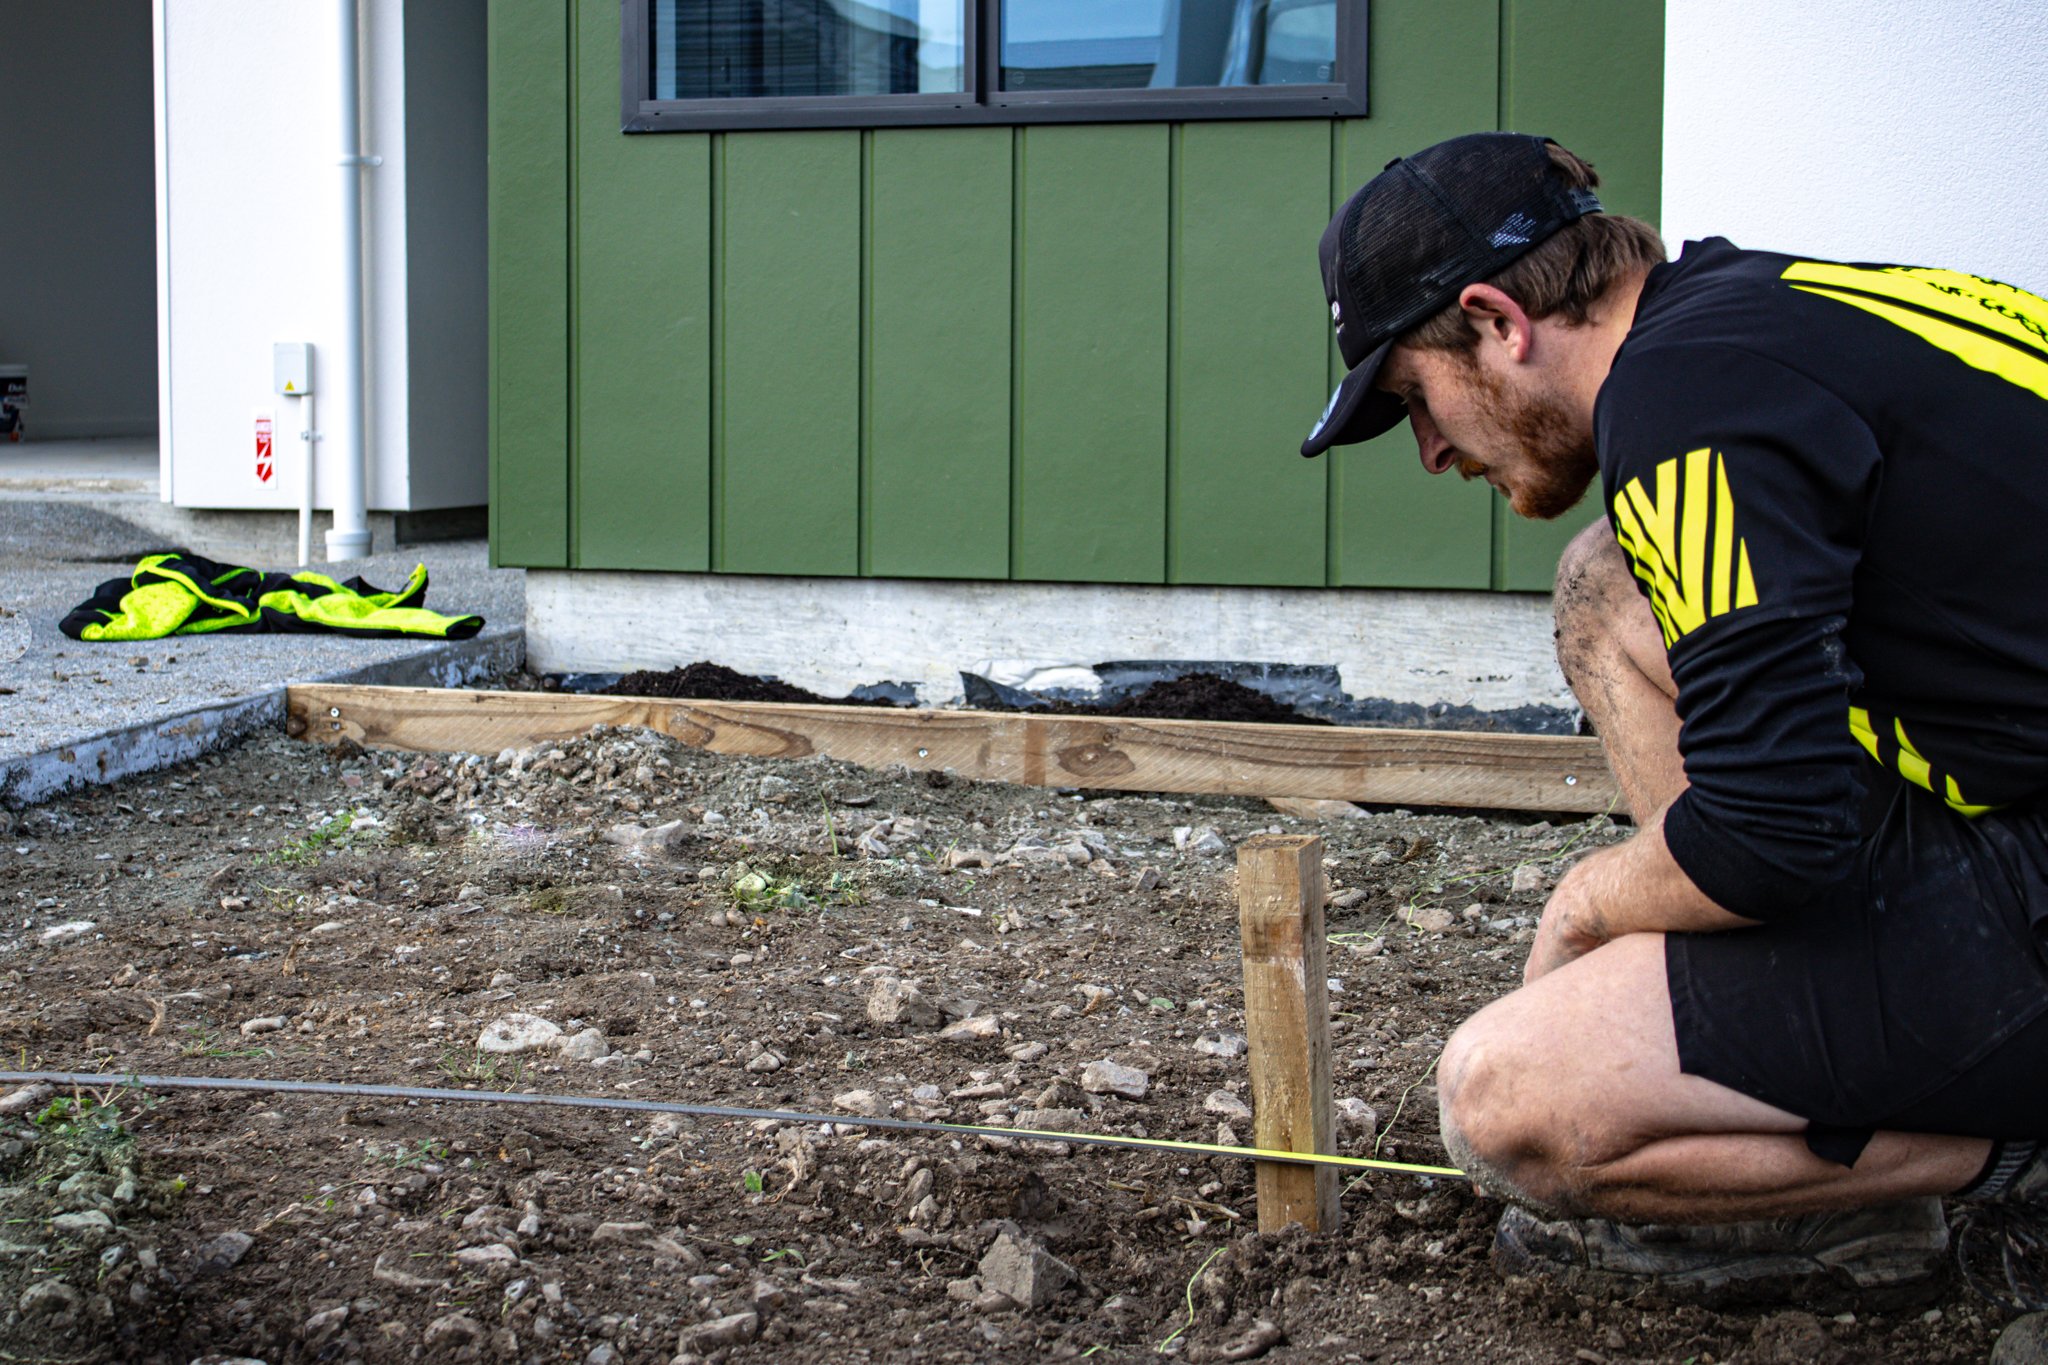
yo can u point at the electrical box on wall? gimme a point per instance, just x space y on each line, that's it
291 365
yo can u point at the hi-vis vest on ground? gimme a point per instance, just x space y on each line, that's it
179 594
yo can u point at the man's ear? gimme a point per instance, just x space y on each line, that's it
1499 319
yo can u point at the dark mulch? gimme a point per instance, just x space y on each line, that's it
1193 696
715 682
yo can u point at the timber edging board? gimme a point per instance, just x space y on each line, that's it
1386 767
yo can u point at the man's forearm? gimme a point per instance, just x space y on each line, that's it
1631 888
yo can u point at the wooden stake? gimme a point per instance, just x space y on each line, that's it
1280 890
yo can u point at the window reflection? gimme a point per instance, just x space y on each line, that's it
1162 44
738 49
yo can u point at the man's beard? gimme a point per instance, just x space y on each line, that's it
1559 464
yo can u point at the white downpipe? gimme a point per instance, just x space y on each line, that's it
308 442
349 538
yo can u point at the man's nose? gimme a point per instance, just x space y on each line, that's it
1439 456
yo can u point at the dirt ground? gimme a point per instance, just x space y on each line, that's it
621 916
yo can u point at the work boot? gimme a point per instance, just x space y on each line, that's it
2001 1235
1886 1256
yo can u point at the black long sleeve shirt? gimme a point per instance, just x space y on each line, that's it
1832 483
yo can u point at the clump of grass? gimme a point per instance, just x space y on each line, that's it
409 1155
331 836
477 1067
548 900
790 887
205 1041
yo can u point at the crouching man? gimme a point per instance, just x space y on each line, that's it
1759 1039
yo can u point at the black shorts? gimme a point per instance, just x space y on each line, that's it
1913 996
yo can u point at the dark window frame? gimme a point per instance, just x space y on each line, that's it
980 104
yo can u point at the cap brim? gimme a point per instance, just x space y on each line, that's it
1357 410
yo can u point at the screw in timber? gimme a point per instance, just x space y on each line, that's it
334 710
924 753
1570 780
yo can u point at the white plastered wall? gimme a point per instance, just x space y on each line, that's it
249 192
1905 131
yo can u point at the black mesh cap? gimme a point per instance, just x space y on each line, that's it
1418 232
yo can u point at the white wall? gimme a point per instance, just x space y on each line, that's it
1904 131
77 245
250 191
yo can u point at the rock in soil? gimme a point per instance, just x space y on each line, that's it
1023 1271
2023 1342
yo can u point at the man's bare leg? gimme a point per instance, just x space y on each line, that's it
1567 1095
1612 653
1538 1110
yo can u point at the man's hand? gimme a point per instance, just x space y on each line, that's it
1571 926
1632 888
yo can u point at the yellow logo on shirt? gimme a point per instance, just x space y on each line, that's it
1680 537
1987 325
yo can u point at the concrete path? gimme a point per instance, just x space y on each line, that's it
72 713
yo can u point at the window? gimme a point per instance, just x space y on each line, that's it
694 64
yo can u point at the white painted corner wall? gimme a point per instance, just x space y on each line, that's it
248 186
1904 131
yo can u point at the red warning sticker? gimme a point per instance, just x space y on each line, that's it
266 463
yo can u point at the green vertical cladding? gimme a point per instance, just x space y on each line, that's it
1249 334
643 339
1070 353
790 317
1589 73
1393 525
529 245
1089 488
938 400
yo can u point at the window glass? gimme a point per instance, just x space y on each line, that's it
1162 44
736 49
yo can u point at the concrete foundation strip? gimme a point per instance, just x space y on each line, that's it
101 1080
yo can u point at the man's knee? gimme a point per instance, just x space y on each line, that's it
1482 1108
1593 581
1501 1103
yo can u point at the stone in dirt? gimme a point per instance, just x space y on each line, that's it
1023 1271
734 1330
621 1232
516 1033
2023 1342
452 1331
1433 920
223 1253
1221 1045
49 1299
1226 1106
1148 879
979 1027
1528 880
67 931
1262 1337
587 1046
1113 1078
863 1102
491 1253
26 1100
388 1270
269 1023
1789 1338
1353 1112
893 1001
91 1223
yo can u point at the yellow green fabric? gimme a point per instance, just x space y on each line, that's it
173 593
